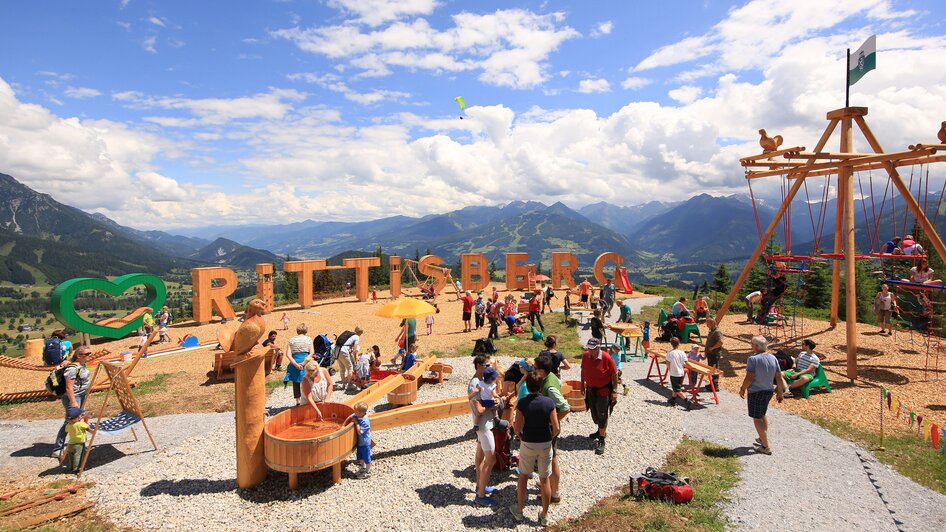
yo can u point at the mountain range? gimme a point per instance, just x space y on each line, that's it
42 238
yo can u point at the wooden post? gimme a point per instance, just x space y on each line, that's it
773 225
850 281
838 246
250 405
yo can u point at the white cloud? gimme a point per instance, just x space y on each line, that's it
271 105
124 4
588 86
508 48
751 35
377 12
634 82
685 94
157 21
602 29
81 92
148 44
123 25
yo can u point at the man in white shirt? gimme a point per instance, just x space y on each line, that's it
676 368
751 300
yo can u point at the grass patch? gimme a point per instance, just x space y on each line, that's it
272 384
152 385
522 345
908 454
713 472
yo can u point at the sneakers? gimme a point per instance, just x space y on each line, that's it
489 490
543 520
484 501
516 514
594 436
672 401
599 446
688 405
363 474
761 449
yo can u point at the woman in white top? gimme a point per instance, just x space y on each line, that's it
884 305
922 274
316 386
299 348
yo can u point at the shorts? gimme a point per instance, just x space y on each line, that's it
599 406
535 457
884 315
584 298
485 438
364 454
676 383
488 403
467 315
758 403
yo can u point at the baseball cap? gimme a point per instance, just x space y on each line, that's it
593 343
490 375
73 412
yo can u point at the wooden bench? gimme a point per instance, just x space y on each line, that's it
223 363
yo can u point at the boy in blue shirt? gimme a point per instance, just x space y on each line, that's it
410 358
363 428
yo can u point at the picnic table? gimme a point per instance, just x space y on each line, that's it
628 331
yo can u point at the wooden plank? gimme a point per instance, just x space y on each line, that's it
420 413
769 155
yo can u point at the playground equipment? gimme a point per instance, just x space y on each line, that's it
430 283
620 278
798 165
129 416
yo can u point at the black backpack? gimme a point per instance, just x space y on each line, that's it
340 342
52 352
56 380
484 346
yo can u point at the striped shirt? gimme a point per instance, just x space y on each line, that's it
806 359
300 344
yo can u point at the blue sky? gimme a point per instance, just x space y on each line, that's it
163 114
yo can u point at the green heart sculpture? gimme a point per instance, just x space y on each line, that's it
64 297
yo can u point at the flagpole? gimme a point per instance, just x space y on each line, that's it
847 81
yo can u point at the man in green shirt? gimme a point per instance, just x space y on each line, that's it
552 388
149 320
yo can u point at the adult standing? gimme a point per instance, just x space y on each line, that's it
479 311
762 372
536 425
535 310
584 290
559 361
299 348
626 315
467 300
78 381
148 321
751 299
607 297
485 443
347 354
884 306
494 315
714 347
547 294
599 377
407 332
552 388
53 351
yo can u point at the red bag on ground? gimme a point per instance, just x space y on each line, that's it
661 486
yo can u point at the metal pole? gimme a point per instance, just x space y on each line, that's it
847 80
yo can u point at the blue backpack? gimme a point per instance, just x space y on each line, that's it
52 352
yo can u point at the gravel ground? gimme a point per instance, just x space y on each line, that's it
813 480
193 483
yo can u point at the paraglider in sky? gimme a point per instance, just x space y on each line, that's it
462 103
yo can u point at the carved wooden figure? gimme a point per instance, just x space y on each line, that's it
250 396
769 143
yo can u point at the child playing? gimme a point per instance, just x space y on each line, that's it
485 393
695 356
430 321
676 362
285 321
374 295
645 342
363 370
75 428
363 428
410 357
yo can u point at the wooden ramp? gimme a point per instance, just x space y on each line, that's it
421 413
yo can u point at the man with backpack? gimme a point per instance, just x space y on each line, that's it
547 294
346 351
53 354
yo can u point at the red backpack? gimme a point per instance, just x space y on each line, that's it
661 486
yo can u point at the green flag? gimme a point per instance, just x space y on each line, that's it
863 60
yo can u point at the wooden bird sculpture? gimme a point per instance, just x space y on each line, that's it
769 143
942 133
251 330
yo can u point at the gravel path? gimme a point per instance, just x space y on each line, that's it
429 467
813 480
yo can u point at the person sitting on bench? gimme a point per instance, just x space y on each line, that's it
701 308
806 367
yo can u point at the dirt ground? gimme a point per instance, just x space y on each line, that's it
902 363
184 382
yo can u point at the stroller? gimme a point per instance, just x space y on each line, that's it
322 347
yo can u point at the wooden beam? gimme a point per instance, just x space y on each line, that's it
420 413
838 244
770 154
843 112
770 230
850 280
826 155
793 173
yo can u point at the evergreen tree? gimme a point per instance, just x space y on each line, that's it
818 286
721 280
290 282
492 269
416 255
